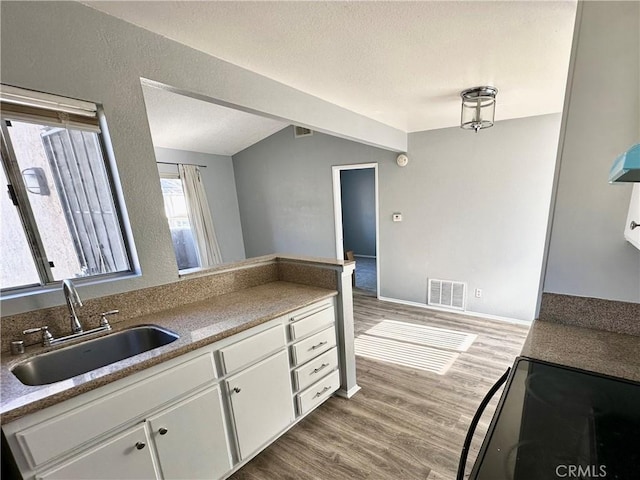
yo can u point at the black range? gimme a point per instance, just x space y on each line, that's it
557 422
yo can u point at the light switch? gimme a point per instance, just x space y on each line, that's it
397 217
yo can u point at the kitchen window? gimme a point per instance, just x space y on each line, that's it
59 218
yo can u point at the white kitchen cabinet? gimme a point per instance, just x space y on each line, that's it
314 357
191 438
201 415
633 234
127 456
42 442
261 402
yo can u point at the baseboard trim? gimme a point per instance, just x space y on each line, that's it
348 393
461 312
364 256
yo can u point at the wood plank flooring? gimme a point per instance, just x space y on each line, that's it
404 424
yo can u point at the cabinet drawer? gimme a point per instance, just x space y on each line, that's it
315 369
313 346
318 392
250 349
305 325
53 437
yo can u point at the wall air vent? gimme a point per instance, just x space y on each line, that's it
448 294
302 131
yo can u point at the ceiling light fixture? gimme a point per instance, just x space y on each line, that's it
478 108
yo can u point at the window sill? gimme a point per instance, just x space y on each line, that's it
188 273
78 282
226 266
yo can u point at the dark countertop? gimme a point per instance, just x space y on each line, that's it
600 351
198 324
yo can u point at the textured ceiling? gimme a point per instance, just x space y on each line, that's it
401 63
184 123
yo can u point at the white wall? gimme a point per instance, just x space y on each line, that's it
588 255
219 183
475 207
69 49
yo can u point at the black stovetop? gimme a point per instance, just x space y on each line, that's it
555 422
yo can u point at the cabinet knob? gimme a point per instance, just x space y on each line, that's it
237 389
634 225
140 445
162 431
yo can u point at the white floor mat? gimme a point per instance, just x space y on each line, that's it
423 335
407 354
413 345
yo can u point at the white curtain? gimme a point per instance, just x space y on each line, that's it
200 216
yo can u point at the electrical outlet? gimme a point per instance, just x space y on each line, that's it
478 293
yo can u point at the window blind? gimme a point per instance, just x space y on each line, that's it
29 105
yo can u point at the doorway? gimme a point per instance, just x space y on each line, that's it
355 194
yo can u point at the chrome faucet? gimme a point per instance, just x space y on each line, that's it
73 300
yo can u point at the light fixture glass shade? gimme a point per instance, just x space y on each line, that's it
478 108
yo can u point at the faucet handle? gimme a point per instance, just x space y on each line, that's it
47 338
104 322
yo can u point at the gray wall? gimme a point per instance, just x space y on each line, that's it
69 49
475 207
220 186
285 191
475 210
359 211
588 255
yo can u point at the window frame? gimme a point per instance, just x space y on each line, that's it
56 118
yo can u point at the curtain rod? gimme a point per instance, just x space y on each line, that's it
176 163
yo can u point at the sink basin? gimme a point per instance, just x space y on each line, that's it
83 357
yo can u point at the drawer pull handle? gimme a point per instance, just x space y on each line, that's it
319 345
237 389
316 370
162 431
322 391
140 445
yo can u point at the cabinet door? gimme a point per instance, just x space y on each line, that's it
90 420
126 456
633 235
191 438
261 402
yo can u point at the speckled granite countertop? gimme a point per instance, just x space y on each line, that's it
198 324
589 349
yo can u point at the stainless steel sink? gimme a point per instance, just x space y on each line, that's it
83 357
